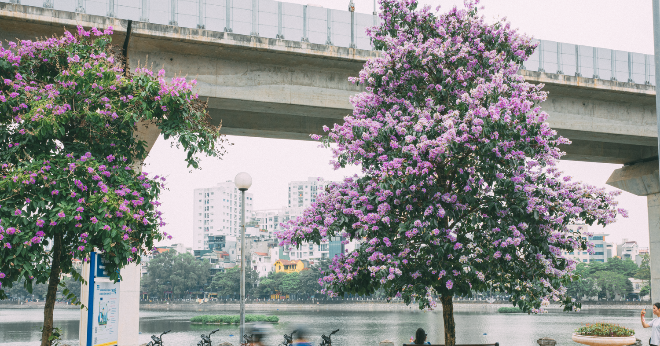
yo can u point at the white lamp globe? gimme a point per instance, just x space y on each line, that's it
243 181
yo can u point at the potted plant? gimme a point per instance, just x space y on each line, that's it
604 334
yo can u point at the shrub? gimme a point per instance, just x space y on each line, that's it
206 319
509 310
604 329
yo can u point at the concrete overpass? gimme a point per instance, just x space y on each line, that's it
276 88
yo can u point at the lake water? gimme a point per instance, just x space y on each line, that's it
21 326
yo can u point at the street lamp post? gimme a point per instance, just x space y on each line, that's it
243 181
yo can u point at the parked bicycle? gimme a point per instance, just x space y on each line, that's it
288 339
327 340
206 339
157 340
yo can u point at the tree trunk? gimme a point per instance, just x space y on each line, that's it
448 317
53 282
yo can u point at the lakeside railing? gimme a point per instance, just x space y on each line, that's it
275 19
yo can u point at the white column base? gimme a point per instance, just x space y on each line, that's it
129 306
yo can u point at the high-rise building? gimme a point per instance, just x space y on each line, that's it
304 193
217 212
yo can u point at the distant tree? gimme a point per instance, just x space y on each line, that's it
309 282
72 285
645 291
626 267
612 283
309 279
174 272
229 282
593 267
270 284
19 290
291 284
644 271
583 285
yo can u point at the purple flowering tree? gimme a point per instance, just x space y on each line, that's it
459 191
71 156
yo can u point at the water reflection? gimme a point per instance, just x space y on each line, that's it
21 327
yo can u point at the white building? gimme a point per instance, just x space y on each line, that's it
271 220
628 249
262 262
601 247
181 248
217 211
304 193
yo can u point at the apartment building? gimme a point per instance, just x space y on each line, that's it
304 193
217 212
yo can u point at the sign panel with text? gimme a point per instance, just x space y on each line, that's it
103 306
106 314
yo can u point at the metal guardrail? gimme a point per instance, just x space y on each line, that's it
264 18
282 20
592 62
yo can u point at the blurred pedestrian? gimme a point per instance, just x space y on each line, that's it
258 333
420 338
654 325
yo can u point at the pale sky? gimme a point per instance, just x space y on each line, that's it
272 163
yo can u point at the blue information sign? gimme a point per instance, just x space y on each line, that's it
99 267
102 304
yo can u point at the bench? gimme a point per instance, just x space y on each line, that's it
495 344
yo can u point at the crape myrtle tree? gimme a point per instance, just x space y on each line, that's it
71 156
459 191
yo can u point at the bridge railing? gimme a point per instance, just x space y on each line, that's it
592 62
265 18
275 19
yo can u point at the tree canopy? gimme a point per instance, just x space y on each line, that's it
459 190
228 282
179 273
70 164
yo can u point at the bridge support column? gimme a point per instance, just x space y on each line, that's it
642 179
129 306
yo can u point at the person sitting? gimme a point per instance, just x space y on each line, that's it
420 337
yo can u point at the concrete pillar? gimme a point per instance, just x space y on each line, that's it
642 179
653 204
129 306
84 297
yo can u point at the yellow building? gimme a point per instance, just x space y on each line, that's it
288 267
